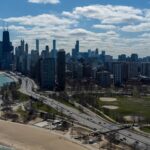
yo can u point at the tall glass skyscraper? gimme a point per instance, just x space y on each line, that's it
61 67
7 52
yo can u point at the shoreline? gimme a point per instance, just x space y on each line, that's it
10 76
2 145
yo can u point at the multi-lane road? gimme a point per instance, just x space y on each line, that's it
88 119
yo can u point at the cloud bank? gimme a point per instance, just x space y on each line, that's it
44 1
116 29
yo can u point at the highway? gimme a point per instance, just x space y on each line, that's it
88 119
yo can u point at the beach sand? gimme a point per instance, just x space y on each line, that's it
24 137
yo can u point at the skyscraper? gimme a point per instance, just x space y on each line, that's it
26 58
54 44
37 45
122 58
145 71
75 51
26 48
117 72
47 71
134 57
34 63
1 44
54 50
22 47
77 46
103 78
47 48
133 70
22 56
103 56
61 68
7 51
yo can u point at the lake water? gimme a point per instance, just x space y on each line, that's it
4 80
5 148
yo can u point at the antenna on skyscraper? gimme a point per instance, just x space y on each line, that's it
3 25
7 26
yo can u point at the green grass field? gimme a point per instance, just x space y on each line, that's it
145 129
128 106
43 107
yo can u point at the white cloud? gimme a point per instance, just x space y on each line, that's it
69 26
104 27
41 20
146 35
107 13
137 28
70 15
15 28
80 32
44 1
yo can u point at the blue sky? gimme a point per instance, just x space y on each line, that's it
117 26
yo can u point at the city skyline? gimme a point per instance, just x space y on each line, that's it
117 27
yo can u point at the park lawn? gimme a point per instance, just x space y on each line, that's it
21 97
129 106
146 129
23 114
42 107
67 103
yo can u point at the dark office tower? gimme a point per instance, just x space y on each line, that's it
47 73
37 45
54 44
54 50
103 78
124 71
0 53
7 52
87 71
77 46
145 69
22 47
26 48
61 66
96 52
103 56
17 58
117 72
34 63
47 48
133 70
26 59
134 57
122 57
75 51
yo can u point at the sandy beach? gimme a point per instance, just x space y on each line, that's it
24 137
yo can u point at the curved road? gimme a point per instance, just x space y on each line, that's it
89 119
